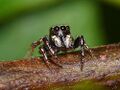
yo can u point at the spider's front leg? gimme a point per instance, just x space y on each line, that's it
32 47
43 51
48 49
36 43
80 42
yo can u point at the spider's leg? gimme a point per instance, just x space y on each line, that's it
89 50
54 54
50 50
32 47
45 58
80 42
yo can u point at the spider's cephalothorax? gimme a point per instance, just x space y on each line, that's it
59 39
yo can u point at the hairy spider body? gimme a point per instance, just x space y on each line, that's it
59 39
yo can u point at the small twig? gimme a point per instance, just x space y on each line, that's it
33 74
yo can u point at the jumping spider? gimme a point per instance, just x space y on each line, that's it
59 39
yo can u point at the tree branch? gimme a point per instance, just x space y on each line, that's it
33 74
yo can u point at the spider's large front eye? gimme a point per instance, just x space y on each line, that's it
63 28
56 28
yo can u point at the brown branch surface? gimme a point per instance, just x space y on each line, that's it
33 74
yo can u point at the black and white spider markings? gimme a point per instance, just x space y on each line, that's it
59 39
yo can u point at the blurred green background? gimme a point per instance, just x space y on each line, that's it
24 21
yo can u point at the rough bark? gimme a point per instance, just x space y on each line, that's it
34 74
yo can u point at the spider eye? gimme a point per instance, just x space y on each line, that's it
63 28
56 28
67 28
51 29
